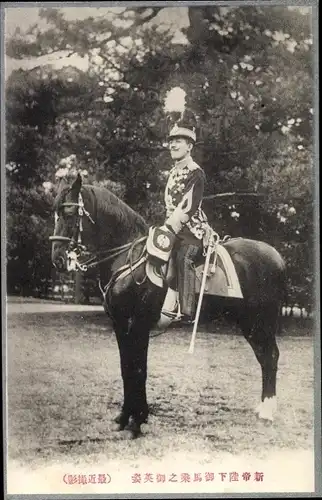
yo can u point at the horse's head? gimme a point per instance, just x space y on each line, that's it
72 222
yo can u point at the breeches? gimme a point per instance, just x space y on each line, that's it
186 257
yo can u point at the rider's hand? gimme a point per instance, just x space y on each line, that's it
167 228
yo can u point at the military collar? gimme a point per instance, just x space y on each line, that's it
183 163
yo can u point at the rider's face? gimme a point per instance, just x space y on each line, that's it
179 148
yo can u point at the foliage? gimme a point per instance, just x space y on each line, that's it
28 229
240 70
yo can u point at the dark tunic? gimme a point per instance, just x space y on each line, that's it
183 198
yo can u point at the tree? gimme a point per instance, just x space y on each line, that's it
34 103
240 69
29 224
248 116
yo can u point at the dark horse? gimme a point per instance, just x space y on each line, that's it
93 221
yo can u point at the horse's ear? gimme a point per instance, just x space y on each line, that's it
77 184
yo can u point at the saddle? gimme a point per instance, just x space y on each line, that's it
222 279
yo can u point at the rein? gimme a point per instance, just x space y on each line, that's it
76 249
114 252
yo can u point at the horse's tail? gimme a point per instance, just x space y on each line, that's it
284 284
285 289
283 296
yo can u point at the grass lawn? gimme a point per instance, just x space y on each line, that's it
64 388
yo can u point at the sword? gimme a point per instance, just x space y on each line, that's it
201 293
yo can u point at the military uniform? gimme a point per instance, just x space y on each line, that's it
186 219
183 198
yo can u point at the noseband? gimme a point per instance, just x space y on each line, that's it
75 245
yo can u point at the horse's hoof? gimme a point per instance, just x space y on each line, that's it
134 429
117 419
121 420
265 417
117 427
136 433
266 409
266 422
130 434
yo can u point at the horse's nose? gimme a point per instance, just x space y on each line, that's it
59 263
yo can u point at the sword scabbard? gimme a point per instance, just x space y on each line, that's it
201 293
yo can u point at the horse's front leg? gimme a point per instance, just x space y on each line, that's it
121 328
135 384
133 348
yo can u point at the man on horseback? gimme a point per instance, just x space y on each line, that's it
184 216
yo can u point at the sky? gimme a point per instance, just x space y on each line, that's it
25 17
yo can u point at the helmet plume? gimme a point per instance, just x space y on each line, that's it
175 102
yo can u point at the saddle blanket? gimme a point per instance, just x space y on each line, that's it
222 279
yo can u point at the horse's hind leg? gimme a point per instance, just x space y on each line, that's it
260 330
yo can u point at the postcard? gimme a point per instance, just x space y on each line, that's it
161 334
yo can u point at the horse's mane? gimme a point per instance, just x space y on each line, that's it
110 204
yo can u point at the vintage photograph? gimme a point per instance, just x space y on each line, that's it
161 249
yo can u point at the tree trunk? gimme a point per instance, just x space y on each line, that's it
78 291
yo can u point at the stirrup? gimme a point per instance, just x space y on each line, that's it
175 316
182 316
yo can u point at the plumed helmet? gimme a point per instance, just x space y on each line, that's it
181 120
184 127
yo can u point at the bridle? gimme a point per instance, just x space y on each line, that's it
75 244
76 249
